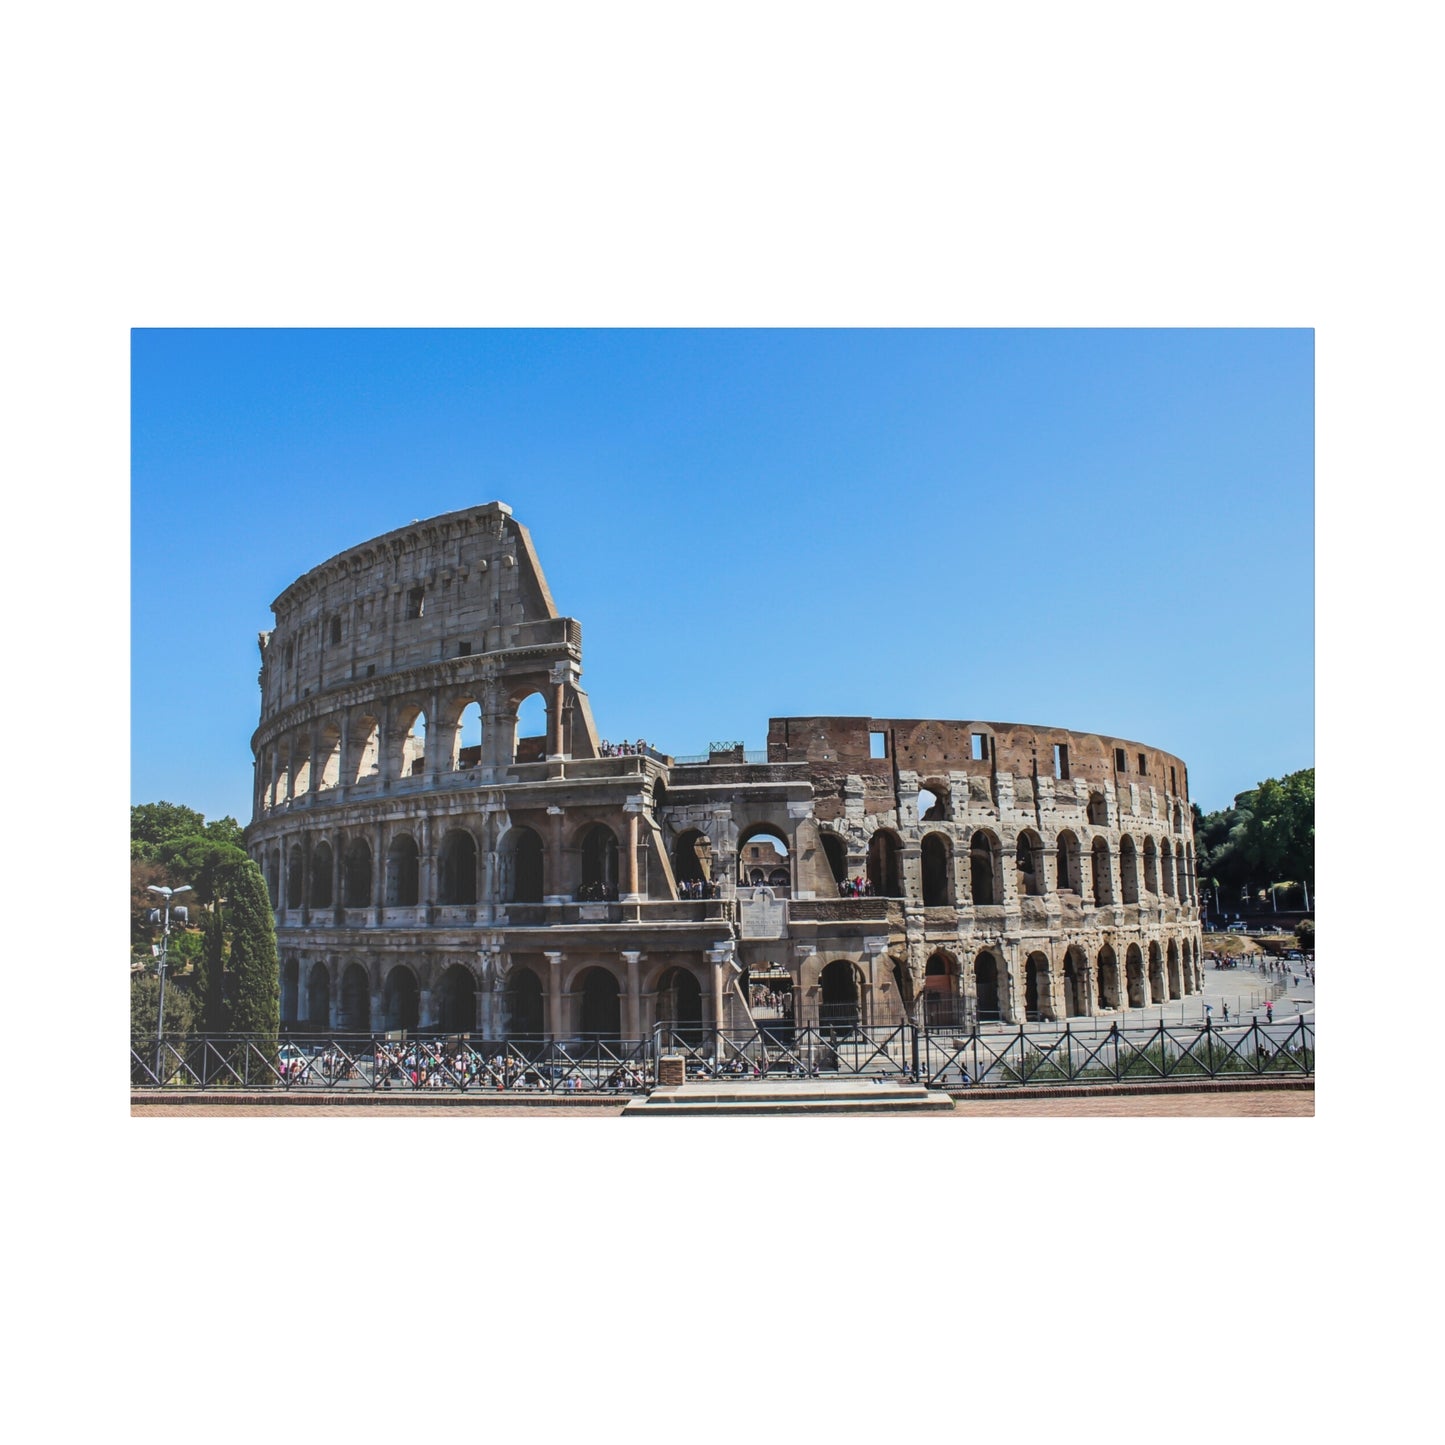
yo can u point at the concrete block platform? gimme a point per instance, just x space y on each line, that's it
790 1096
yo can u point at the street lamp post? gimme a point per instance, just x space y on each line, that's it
167 894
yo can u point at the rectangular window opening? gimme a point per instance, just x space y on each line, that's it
1143 766
1061 760
979 752
1121 761
877 745
464 649
415 603
1173 779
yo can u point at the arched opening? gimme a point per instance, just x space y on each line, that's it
529 735
1067 862
301 769
1166 869
400 1000
295 877
692 857
986 988
1156 974
1108 967
599 863
982 868
457 1001
1038 995
937 862
290 990
366 745
412 724
458 868
836 852
273 877
1098 811
1176 983
1103 878
942 1005
328 757
403 872
523 869
1028 862
467 746
322 865
1151 867
1129 869
318 997
1076 985
1134 976
763 856
601 1005
281 788
355 1000
838 1007
885 864
935 803
357 890
525 1014
679 1000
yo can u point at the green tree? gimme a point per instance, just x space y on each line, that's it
209 985
253 976
145 991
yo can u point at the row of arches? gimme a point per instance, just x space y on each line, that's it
399 740
935 805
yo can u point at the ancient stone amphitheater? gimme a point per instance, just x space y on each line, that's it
435 864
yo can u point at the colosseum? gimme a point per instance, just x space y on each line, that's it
440 861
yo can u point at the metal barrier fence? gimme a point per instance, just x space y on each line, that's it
941 1058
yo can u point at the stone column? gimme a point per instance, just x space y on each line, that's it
633 808
554 993
721 957
378 870
633 961
486 992
557 892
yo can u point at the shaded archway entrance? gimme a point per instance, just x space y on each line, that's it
290 990
1134 974
1076 988
600 1005
1156 975
942 1005
403 872
679 1001
986 988
1038 999
318 997
400 1000
458 866
599 863
1108 966
526 1017
457 1001
1175 984
937 863
836 852
355 1000
885 864
839 1002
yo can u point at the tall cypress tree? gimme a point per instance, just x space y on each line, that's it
255 979
210 982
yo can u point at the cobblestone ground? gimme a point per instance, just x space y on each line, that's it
1253 1103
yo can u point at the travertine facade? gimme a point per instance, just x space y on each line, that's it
431 867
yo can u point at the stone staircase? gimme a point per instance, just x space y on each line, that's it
790 1096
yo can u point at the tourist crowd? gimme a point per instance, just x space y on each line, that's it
626 749
858 887
696 888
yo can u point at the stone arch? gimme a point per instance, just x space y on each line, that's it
355 1002
457 868
301 767
599 1003
679 999
523 862
356 875
937 863
1098 810
988 987
295 877
318 996
1166 869
1128 870
1076 983
935 802
273 877
885 863
403 872
290 991
1103 875
322 865
1108 976
942 1000
841 995
525 1004
328 756
281 780
1029 864
1069 877
835 850
467 734
771 843
528 712
456 1000
985 879
1176 982
365 761
1134 976
1038 989
599 860
400 999
411 735
1156 974
692 857
1151 867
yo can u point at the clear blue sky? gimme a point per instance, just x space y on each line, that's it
1100 530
